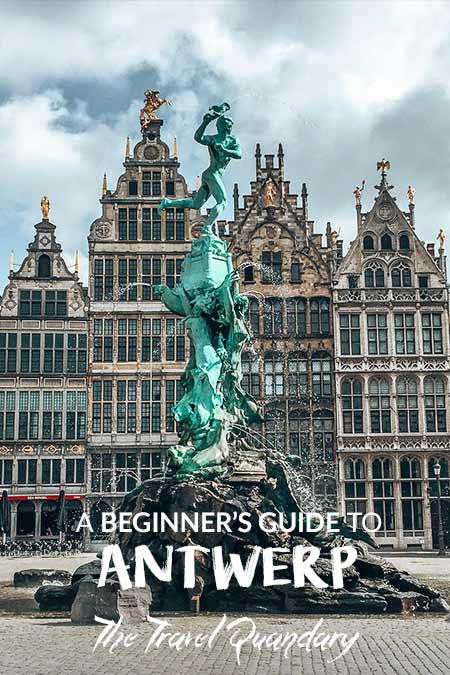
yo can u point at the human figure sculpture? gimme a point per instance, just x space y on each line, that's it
222 147
45 207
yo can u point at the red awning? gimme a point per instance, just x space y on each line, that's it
19 498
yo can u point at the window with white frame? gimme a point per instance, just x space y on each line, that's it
380 406
352 406
103 340
51 471
29 415
75 415
377 334
298 378
273 374
102 406
355 494
350 334
126 406
321 374
127 340
435 404
151 340
383 494
411 496
175 340
432 333
407 405
405 335
7 415
251 379
151 406
273 316
52 415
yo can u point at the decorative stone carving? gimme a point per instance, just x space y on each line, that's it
151 152
51 450
75 450
102 230
4 450
27 450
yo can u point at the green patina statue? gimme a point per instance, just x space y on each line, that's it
214 411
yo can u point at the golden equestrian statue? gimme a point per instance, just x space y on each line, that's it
45 207
269 193
384 165
358 192
152 102
441 238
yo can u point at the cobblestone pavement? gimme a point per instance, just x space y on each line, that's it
386 646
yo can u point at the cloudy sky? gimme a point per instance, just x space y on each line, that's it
341 84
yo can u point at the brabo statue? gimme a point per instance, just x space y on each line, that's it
214 411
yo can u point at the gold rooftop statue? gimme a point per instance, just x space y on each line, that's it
45 207
152 102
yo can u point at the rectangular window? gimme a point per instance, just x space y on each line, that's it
76 353
126 406
127 340
126 471
151 277
103 278
6 467
26 471
151 184
101 474
132 188
75 415
8 352
296 275
350 334
151 464
55 303
271 267
30 303
75 470
103 340
127 279
52 406
377 334
432 333
51 471
173 271
151 225
53 352
175 340
30 353
174 393
28 415
7 415
151 406
405 340
128 224
151 340
102 407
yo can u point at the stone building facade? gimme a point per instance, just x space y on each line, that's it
43 365
138 350
391 322
284 270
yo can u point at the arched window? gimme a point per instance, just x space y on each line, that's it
368 243
273 316
323 436
296 316
44 266
386 242
253 315
443 477
383 494
273 374
355 486
401 276
325 493
435 404
380 406
411 492
271 267
352 406
407 405
26 519
321 374
403 242
374 277
300 434
49 519
275 423
298 381
251 381
320 316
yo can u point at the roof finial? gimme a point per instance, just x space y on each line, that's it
77 263
410 194
11 261
384 166
358 192
104 186
175 147
45 207
127 148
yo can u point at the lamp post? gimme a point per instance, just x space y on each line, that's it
437 473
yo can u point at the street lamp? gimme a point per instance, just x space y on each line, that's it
437 473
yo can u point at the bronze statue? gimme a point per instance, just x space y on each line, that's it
269 193
152 102
410 193
45 207
358 192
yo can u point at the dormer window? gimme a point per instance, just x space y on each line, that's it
386 242
403 242
44 267
368 243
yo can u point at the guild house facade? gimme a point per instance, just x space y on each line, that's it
284 269
391 323
138 349
43 366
